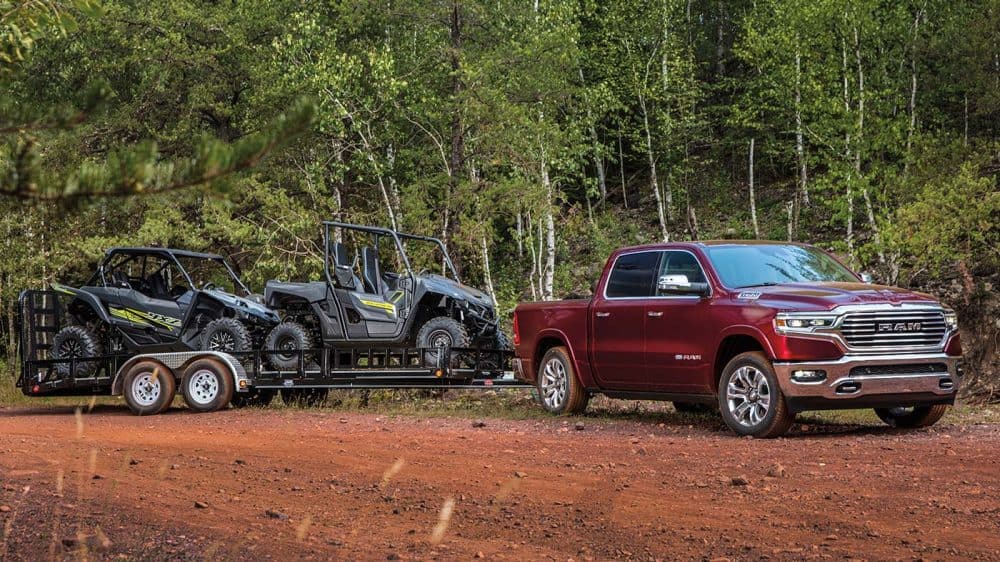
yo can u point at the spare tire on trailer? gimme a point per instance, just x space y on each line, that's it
439 332
75 342
225 335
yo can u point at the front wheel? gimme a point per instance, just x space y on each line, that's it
913 416
225 335
559 389
750 399
442 332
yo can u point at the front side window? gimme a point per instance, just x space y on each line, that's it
633 275
756 265
680 263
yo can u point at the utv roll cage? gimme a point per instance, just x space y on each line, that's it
397 238
170 254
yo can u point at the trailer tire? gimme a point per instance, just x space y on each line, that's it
559 389
225 335
911 418
253 399
76 341
207 385
149 388
290 336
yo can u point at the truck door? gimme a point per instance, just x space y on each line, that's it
618 321
677 358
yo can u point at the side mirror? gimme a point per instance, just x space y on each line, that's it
679 285
866 278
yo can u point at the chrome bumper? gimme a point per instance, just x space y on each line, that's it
859 381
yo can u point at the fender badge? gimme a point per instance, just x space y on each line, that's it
749 295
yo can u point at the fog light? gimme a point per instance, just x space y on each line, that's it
808 376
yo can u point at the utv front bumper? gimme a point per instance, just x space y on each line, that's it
867 381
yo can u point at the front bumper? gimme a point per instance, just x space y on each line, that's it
871 381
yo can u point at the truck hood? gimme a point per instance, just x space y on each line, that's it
826 296
249 306
449 287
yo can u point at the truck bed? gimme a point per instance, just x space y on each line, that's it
560 321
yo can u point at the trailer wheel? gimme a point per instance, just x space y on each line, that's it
207 385
225 335
75 342
290 337
559 389
148 388
912 417
254 398
304 397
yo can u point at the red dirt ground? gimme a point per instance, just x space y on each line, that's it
286 484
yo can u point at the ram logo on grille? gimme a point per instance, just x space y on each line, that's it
899 327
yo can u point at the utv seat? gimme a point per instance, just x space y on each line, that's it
344 270
370 271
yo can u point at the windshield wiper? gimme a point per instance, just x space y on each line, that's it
764 284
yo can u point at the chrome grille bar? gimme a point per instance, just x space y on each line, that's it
893 328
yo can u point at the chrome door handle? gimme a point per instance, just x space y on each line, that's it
603 314
653 314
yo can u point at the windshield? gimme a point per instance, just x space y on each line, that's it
741 266
212 272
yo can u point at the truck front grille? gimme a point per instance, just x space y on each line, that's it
893 328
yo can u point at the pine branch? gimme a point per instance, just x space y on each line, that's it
138 170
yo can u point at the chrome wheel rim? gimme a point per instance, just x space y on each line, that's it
748 396
554 383
203 387
146 389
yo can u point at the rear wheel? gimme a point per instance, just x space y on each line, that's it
559 390
75 342
290 338
913 416
750 399
207 385
225 335
148 388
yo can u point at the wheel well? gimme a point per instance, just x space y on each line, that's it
543 346
730 347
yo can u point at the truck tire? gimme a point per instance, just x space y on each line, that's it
148 388
912 417
225 335
76 341
304 397
750 399
207 385
442 331
253 399
290 336
559 389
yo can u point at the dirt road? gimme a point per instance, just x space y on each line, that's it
285 484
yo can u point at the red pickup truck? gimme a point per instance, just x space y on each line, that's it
760 330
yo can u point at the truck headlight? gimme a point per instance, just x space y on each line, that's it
951 319
784 323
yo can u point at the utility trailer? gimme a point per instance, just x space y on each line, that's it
211 380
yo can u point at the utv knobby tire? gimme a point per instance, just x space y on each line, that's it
207 385
442 331
254 398
753 373
76 341
225 335
559 389
911 418
290 336
148 388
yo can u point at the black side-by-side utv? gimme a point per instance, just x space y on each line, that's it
361 302
143 300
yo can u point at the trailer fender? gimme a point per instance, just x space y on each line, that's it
177 362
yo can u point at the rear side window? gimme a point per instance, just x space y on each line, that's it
633 275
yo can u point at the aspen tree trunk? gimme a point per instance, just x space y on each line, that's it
486 273
602 183
865 194
913 93
847 157
533 274
720 50
753 200
520 236
800 150
654 183
457 153
548 272
621 155
791 212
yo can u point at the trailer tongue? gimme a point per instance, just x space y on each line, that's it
211 380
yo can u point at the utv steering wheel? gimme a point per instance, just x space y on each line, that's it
423 272
208 286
